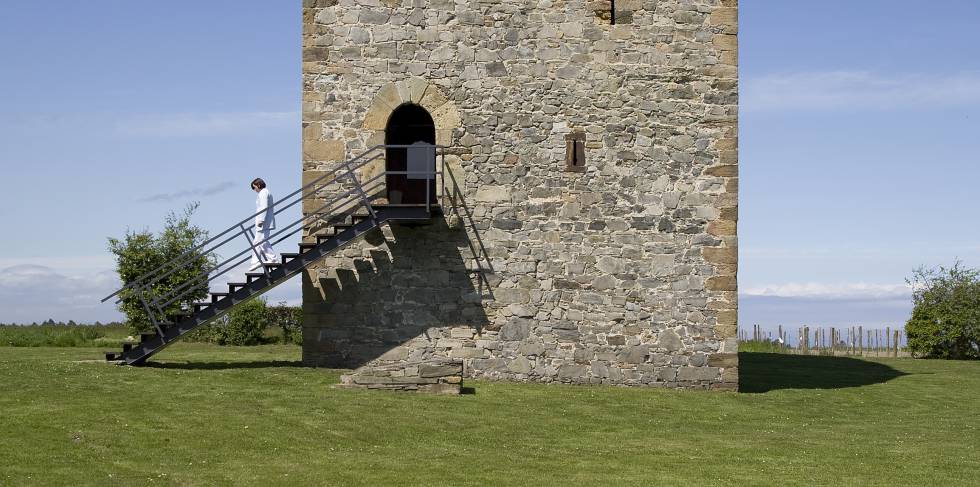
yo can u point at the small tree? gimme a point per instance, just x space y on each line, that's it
140 252
945 320
289 319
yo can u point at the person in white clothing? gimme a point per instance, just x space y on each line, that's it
265 221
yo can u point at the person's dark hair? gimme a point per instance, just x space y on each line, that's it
258 182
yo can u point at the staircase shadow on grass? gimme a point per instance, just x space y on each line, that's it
764 372
262 364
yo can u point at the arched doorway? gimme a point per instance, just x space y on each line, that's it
410 124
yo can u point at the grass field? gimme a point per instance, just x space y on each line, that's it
205 415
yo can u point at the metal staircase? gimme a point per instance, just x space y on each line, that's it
348 208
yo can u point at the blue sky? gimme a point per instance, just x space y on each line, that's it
858 143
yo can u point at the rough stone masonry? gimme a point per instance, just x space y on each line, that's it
612 261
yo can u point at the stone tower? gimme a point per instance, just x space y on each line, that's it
595 147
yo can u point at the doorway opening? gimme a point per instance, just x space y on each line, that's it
415 181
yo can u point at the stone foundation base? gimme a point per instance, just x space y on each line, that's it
440 377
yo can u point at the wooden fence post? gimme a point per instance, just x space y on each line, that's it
888 340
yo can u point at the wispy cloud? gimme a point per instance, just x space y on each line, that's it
203 124
190 193
833 291
83 264
843 89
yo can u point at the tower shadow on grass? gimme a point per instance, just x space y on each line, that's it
261 364
764 372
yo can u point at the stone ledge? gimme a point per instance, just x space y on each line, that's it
435 377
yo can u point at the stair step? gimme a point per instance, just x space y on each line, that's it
112 356
216 296
199 306
252 276
127 347
307 245
179 316
233 285
147 336
288 255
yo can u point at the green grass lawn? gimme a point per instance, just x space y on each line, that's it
206 415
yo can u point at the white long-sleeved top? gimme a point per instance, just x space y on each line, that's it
263 206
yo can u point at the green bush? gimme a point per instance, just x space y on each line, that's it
289 319
252 323
247 323
945 321
140 252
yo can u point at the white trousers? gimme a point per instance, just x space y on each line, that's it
263 249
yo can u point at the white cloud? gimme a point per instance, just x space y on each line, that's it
204 124
833 90
30 292
812 290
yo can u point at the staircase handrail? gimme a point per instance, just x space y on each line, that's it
240 224
358 161
229 229
339 201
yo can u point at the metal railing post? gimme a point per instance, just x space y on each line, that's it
360 190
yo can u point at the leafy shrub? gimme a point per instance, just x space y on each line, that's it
252 323
289 319
945 321
140 252
247 323
243 325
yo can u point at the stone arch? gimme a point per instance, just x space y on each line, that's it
420 92
416 91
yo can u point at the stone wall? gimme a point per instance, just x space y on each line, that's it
624 273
